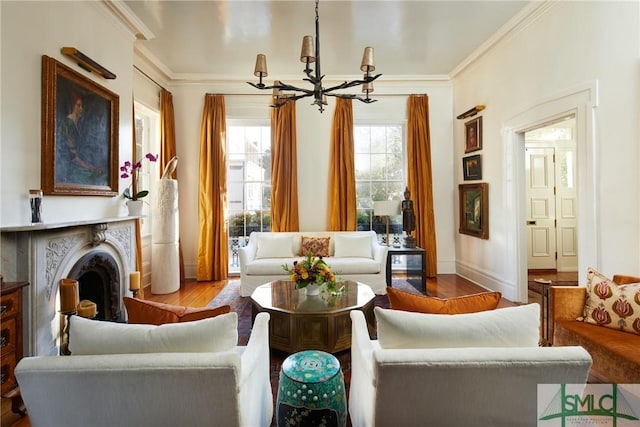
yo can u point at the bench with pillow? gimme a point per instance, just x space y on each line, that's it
351 255
604 318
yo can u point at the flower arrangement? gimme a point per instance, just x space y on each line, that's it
313 269
130 170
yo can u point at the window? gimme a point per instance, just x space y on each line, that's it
380 174
248 185
147 129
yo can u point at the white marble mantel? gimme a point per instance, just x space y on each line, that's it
42 254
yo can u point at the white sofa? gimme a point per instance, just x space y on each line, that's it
225 388
454 386
258 266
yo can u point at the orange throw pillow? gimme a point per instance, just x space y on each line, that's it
317 246
401 300
156 313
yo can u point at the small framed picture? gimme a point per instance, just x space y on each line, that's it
474 209
472 167
473 135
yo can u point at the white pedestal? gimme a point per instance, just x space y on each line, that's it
165 268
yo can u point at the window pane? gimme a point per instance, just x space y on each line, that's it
380 165
248 185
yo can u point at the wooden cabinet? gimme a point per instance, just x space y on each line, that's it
11 332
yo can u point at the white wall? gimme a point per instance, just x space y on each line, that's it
570 45
313 136
30 30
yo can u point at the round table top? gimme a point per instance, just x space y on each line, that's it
282 295
311 366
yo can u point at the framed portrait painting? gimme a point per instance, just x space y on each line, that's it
79 133
472 167
474 209
473 135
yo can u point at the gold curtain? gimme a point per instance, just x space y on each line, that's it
419 177
213 251
134 190
284 169
342 178
168 148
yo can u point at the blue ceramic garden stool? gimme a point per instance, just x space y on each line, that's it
311 391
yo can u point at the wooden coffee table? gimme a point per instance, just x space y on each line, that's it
300 322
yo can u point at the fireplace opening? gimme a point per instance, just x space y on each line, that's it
98 277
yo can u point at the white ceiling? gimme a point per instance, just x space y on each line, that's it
220 39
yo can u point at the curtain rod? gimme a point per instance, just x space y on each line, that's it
150 78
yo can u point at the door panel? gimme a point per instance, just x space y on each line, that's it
567 215
540 181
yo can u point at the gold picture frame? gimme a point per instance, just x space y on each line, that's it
473 135
474 209
79 134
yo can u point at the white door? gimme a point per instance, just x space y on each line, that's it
541 208
566 209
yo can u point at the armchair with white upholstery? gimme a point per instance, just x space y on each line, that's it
401 381
192 374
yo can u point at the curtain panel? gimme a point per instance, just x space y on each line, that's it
419 177
168 149
284 169
342 177
213 251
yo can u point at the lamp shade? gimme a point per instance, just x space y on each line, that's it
308 51
386 208
261 66
368 63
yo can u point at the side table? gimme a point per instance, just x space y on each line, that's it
409 251
544 312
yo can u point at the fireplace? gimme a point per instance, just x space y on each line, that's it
100 254
98 275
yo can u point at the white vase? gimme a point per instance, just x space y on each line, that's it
135 207
312 289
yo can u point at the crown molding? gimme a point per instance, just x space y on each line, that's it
130 20
520 21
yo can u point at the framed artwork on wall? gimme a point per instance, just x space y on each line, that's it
473 135
472 167
79 134
474 209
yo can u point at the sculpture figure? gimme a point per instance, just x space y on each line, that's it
408 219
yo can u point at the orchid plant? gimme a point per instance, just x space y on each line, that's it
131 170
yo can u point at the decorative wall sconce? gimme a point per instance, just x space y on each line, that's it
87 63
472 112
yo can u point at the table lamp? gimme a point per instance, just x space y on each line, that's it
386 208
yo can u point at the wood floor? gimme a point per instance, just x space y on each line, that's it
199 294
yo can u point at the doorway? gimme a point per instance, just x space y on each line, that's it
580 102
551 196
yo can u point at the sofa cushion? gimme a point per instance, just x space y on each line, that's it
156 313
216 334
274 245
504 327
615 353
611 305
352 246
401 300
318 246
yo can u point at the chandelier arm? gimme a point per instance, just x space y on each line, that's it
352 83
349 96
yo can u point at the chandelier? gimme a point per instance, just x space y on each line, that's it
310 54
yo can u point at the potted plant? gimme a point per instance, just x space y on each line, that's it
131 170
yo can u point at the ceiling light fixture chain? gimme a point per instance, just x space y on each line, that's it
311 53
